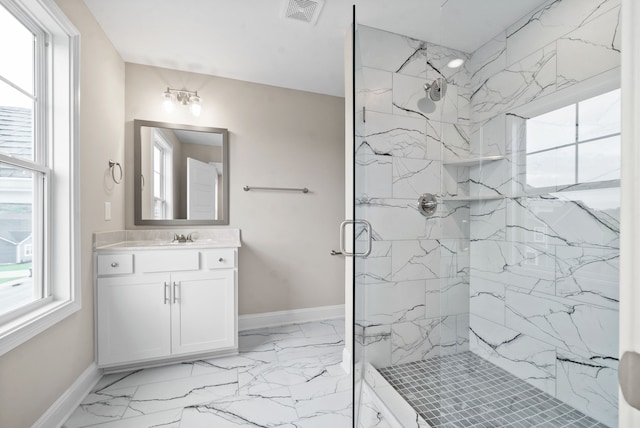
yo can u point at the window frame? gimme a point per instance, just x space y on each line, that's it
166 174
575 144
56 132
581 91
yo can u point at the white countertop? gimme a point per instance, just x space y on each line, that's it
153 240
154 245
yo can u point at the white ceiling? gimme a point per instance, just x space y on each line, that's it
251 40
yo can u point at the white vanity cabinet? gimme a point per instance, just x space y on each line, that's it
164 304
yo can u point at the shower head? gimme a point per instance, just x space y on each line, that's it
434 91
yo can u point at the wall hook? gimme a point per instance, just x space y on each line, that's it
112 166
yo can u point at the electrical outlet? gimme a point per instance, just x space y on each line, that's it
107 211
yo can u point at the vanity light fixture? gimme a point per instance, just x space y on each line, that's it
183 97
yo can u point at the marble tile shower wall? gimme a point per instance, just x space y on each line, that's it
415 282
544 268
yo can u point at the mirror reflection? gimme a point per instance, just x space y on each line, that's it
181 174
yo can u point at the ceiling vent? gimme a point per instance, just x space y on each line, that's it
303 10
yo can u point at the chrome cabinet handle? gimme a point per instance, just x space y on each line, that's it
114 264
175 292
343 248
166 297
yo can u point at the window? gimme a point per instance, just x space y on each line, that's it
578 143
23 166
162 177
38 190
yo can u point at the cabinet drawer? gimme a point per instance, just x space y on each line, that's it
167 261
115 264
223 258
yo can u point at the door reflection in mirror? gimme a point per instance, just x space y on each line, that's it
181 174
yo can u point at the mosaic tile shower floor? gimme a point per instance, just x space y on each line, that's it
464 390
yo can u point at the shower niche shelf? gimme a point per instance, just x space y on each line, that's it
472 198
471 161
467 162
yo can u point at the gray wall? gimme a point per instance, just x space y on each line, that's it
35 374
278 137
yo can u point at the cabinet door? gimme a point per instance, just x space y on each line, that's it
204 313
134 319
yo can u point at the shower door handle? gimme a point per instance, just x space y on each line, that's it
343 248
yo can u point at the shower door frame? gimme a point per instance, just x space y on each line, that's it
630 189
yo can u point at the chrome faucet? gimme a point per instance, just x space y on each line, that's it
182 238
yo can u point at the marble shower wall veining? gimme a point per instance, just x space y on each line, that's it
529 282
544 267
414 284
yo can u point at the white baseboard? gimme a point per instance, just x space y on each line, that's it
272 319
60 411
346 360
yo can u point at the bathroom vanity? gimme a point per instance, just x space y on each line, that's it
162 301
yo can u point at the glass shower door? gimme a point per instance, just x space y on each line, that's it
512 283
399 106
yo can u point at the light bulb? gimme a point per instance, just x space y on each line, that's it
167 102
194 105
455 63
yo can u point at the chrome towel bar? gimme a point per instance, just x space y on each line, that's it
288 189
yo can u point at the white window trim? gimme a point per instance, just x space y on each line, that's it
63 240
597 85
158 139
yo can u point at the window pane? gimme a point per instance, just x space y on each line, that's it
158 209
599 160
17 248
552 168
157 158
16 123
599 116
16 49
552 129
157 193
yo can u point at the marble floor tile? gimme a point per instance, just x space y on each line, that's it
333 420
273 408
300 348
166 419
283 377
323 328
328 404
278 375
101 406
320 386
140 377
265 338
242 361
156 397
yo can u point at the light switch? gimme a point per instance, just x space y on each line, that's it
107 211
